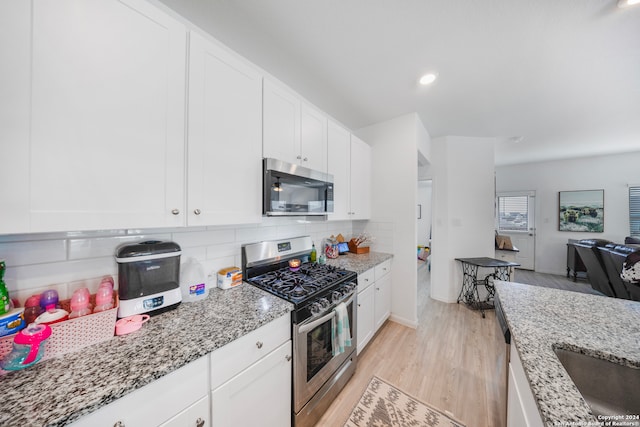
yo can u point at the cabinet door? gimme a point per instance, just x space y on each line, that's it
196 415
281 127
313 125
225 137
360 179
108 108
522 409
339 152
15 64
365 316
258 396
382 300
158 402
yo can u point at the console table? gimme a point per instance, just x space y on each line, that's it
470 282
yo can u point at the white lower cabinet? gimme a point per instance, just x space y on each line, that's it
522 410
382 300
365 316
258 396
251 378
178 399
374 301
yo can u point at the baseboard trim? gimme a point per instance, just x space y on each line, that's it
411 324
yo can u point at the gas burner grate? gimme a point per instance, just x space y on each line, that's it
296 285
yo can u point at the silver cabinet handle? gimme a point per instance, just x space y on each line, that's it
197 211
305 159
288 357
118 424
175 212
377 289
199 422
366 280
298 157
259 344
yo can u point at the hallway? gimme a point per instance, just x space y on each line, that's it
453 361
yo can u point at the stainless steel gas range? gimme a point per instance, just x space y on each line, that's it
315 290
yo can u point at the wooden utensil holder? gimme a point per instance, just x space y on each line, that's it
357 249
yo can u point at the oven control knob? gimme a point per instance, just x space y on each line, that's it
336 296
315 308
324 303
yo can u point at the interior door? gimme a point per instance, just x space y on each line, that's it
516 219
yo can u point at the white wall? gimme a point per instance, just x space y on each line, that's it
463 209
67 261
612 173
424 223
394 198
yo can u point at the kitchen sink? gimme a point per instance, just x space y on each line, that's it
609 388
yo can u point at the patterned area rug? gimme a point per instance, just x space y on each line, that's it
383 405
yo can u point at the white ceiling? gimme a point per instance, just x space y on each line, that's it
562 74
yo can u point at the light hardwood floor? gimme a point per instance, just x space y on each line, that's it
454 361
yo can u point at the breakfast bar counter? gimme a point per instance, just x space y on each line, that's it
542 319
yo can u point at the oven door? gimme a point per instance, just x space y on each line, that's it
314 362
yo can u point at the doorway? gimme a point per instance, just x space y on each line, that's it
515 217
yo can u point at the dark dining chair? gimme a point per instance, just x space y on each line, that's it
590 255
613 257
619 255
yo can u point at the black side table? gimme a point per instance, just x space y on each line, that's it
470 282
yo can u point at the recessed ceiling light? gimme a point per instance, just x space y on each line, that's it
516 139
427 79
627 3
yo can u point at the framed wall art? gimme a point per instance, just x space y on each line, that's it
582 211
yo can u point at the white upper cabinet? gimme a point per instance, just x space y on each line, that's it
15 61
313 138
108 108
292 130
281 127
224 171
360 179
339 152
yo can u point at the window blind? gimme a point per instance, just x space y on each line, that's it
513 213
634 211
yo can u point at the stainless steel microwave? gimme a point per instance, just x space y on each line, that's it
290 189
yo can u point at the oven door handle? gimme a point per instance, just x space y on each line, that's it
306 327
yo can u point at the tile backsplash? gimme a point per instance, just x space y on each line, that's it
67 261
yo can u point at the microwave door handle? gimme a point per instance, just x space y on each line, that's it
306 327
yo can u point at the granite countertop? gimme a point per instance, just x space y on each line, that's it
542 318
57 391
359 262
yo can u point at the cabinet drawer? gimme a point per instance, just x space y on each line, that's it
156 402
366 279
196 415
228 361
382 269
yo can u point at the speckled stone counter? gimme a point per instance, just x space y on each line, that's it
541 319
57 391
359 263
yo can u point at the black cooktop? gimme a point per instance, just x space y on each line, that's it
298 285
